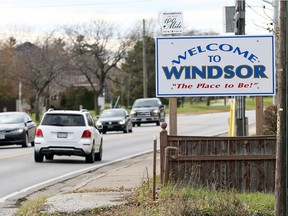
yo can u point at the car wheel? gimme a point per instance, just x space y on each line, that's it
103 132
138 124
49 157
90 158
158 123
32 143
25 143
38 157
131 130
133 124
98 155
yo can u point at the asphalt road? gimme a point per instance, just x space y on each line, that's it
19 173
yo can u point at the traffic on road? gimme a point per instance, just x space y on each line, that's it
18 166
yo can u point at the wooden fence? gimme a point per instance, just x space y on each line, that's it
241 163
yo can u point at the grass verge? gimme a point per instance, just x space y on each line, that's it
33 208
171 201
189 201
217 106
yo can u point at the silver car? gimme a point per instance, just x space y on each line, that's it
147 110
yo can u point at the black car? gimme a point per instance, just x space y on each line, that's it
16 128
147 110
116 119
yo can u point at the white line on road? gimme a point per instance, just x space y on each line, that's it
65 176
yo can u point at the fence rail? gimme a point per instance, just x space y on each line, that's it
241 163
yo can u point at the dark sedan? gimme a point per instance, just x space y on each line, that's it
116 119
16 128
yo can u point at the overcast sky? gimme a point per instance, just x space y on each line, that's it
203 15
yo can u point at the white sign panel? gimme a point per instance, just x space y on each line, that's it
172 23
215 66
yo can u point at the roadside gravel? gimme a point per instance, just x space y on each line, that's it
106 186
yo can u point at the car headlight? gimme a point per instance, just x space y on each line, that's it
98 123
156 111
122 122
133 112
19 130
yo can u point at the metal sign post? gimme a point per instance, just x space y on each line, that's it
239 20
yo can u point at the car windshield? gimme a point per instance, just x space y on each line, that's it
113 113
63 120
146 103
11 118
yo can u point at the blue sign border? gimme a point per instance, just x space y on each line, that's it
215 94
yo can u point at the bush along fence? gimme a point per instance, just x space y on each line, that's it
245 164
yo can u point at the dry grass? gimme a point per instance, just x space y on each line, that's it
172 200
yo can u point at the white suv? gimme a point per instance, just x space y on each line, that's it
67 132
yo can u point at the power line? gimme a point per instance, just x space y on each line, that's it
77 5
256 12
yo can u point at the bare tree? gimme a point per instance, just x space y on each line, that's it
6 56
96 51
39 64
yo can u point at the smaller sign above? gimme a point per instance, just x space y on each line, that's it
172 23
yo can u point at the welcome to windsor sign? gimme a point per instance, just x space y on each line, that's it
215 66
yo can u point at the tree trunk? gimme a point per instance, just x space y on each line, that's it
96 104
37 107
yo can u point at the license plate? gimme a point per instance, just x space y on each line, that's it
2 136
110 126
61 135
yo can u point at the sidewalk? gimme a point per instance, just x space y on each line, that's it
106 189
106 186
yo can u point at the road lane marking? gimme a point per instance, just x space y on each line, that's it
64 177
15 155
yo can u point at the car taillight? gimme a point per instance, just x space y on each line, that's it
39 133
86 134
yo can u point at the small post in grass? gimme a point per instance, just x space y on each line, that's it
154 167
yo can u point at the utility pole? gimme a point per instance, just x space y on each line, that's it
275 5
20 97
144 63
239 19
280 176
276 32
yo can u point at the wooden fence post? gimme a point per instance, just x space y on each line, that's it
163 145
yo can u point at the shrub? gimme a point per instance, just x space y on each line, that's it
270 120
